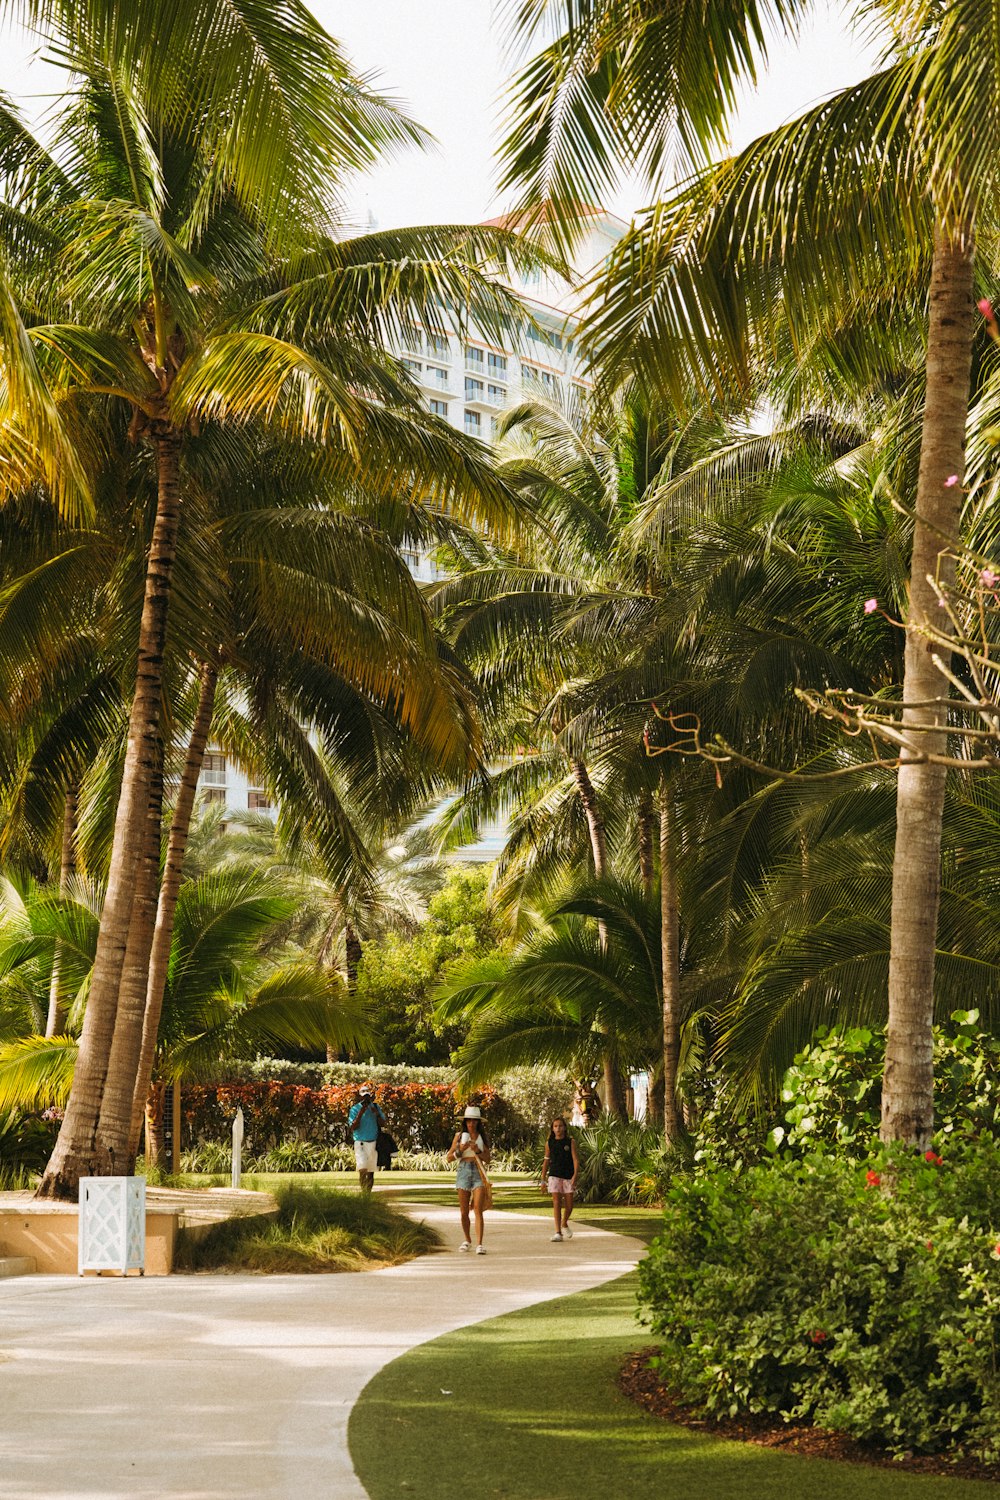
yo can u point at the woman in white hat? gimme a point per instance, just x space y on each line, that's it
469 1148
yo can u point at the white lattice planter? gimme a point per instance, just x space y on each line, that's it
112 1231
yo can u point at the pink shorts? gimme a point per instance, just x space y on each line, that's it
561 1185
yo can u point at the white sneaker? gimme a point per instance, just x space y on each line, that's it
480 1249
567 1232
465 1245
556 1237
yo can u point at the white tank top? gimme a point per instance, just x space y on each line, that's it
465 1146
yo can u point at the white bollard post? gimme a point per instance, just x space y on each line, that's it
238 1147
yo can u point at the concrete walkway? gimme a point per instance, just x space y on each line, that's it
240 1387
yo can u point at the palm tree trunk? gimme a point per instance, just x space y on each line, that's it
159 958
647 869
114 1127
56 1019
670 958
154 1126
76 1152
594 816
908 1081
352 962
614 1092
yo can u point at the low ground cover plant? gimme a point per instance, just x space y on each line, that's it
805 1288
316 1230
625 1161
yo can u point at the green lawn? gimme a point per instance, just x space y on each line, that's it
513 1191
526 1407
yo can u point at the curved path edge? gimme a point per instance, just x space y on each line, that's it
220 1387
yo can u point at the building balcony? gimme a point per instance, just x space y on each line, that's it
430 381
489 399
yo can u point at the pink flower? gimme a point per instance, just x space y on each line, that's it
987 578
871 605
951 481
985 307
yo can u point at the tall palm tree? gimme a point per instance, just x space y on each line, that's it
897 164
187 299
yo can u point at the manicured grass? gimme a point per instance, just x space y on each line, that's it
526 1407
317 1230
516 1192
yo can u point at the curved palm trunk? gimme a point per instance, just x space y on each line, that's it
614 1093
670 958
595 819
114 1126
908 1081
76 1152
56 1018
159 957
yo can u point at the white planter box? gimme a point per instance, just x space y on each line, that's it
112 1230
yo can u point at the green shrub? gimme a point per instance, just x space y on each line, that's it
320 1075
805 1289
624 1162
832 1092
534 1097
26 1142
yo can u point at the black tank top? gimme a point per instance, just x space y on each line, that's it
560 1157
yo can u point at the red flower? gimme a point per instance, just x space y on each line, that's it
985 307
872 1179
933 1158
818 1336
930 1244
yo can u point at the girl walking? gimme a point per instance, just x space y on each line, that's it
559 1168
471 1149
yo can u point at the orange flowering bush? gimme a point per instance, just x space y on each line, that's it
421 1116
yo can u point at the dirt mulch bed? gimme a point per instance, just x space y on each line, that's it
643 1386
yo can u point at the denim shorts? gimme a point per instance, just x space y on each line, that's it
468 1177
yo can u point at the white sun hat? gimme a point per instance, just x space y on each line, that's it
473 1112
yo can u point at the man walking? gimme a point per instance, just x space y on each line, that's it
363 1122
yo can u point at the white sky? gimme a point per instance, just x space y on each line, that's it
445 60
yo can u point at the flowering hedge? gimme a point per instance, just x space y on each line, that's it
810 1290
420 1116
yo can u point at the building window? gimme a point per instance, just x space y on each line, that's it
258 801
473 389
437 344
475 359
213 794
498 366
494 429
439 408
473 424
436 376
497 394
213 771
539 379
413 340
413 365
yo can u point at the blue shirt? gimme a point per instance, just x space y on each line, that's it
364 1120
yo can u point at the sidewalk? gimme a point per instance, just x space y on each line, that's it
240 1387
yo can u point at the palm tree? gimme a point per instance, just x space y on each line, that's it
565 996
898 164
234 986
231 317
